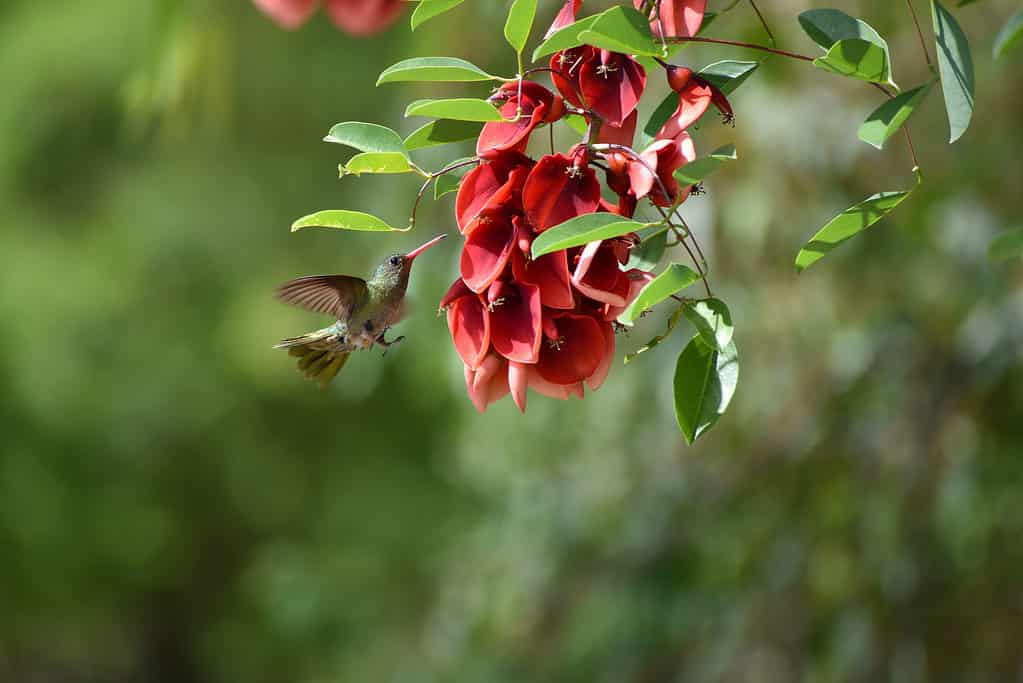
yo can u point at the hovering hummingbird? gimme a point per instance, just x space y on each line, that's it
364 311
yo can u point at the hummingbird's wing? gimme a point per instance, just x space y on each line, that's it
334 295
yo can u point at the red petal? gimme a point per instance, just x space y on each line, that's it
515 323
565 72
456 291
363 17
491 185
518 382
288 14
637 279
550 274
612 84
565 17
576 354
678 17
488 244
597 275
692 104
619 135
512 134
557 190
561 392
469 322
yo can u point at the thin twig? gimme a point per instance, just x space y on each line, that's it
920 34
763 22
733 43
433 176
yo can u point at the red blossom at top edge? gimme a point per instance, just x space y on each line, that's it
363 17
678 18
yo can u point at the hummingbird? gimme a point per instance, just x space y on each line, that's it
364 310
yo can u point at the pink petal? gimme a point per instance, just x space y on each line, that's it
561 392
518 382
489 383
565 17
288 14
678 17
692 104
363 17
598 277
596 380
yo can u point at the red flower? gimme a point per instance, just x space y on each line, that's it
664 157
549 273
597 274
566 17
557 189
469 323
488 382
515 316
695 95
573 347
539 105
358 17
608 83
677 18
492 185
489 241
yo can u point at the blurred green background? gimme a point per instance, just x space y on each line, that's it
177 505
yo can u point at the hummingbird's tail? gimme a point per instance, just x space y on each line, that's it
318 359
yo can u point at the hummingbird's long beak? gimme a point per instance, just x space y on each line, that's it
419 250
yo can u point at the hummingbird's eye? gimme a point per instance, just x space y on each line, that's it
395 260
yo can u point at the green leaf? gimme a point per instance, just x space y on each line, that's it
458 109
956 67
675 278
713 322
828 26
622 29
366 137
849 223
886 120
576 123
705 381
442 132
672 324
1006 245
428 9
565 38
698 169
449 182
519 23
376 162
344 220
436 69
661 114
581 230
648 253
727 75
1009 36
856 58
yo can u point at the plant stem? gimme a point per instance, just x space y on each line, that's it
920 34
733 43
763 22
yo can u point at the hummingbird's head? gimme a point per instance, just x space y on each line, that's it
396 267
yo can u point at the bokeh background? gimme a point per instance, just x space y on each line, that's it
177 505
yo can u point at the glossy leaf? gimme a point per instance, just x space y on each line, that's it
1009 36
565 38
648 253
828 26
847 224
1006 245
695 171
519 23
727 75
713 322
428 9
622 29
705 382
449 181
856 58
582 230
887 119
376 162
442 132
661 114
458 109
653 343
435 69
366 137
956 68
344 220
674 279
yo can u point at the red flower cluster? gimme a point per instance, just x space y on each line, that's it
357 17
548 323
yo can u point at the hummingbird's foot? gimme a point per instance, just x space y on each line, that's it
387 344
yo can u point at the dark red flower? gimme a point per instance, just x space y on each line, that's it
677 17
557 189
597 274
664 157
608 83
695 95
492 185
549 273
572 349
